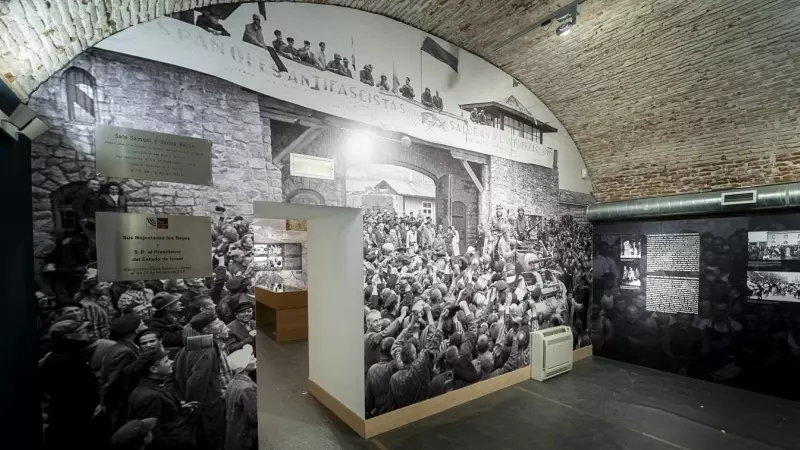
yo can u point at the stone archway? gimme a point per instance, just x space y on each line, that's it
305 197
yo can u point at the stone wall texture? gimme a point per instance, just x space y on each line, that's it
132 92
513 184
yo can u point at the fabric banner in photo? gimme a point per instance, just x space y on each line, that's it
433 48
179 43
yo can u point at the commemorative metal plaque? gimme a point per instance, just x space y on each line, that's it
147 155
311 167
145 247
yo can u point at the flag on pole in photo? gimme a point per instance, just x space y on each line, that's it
395 80
353 52
433 48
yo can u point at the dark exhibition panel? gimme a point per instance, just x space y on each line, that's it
714 298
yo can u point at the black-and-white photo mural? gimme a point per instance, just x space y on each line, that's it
467 183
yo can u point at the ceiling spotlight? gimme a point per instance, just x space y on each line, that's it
564 29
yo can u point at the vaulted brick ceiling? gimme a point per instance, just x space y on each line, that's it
660 96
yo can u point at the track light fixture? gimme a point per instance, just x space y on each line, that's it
566 17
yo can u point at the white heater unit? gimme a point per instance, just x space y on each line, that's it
551 352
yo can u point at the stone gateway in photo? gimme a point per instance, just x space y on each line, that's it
468 243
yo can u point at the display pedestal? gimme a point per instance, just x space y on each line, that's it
286 309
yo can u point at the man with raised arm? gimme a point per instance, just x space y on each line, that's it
412 381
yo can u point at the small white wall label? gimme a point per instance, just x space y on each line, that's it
311 167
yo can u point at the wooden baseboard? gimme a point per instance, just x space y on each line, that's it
348 416
404 416
582 353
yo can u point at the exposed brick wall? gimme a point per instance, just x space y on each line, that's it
674 96
660 97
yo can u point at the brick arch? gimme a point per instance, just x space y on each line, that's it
430 161
404 164
305 197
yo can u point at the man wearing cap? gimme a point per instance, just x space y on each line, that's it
253 34
278 43
167 319
152 398
437 102
335 66
290 52
134 435
237 265
198 305
237 293
117 381
202 375
243 328
70 385
522 225
346 68
239 223
497 221
195 288
209 21
366 75
305 54
241 402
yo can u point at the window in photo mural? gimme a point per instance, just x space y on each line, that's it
465 251
715 299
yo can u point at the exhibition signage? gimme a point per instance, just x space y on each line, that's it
146 247
311 167
147 155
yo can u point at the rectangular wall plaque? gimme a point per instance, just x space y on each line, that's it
146 247
147 155
311 167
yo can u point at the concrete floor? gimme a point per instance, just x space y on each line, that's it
602 404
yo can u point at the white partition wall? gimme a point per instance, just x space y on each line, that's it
335 293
